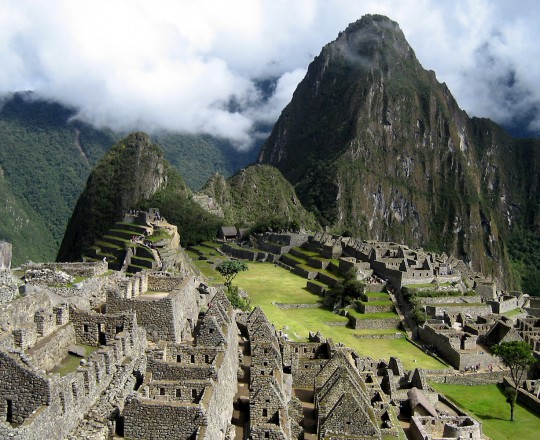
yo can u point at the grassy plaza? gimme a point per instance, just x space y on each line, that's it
488 404
268 284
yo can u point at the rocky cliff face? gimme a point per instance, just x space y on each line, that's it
376 146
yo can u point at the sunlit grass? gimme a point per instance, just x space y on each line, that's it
267 284
488 404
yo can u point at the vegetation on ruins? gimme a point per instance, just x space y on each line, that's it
346 291
229 269
518 357
239 302
269 285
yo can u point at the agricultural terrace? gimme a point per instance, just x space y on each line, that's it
268 284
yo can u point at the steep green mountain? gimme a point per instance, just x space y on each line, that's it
259 195
21 224
133 174
47 156
46 160
197 157
376 146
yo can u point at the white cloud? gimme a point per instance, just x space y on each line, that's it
178 64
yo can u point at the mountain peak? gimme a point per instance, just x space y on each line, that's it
377 147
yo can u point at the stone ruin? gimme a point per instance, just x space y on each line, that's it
161 355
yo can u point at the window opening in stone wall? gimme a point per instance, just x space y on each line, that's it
265 412
119 328
206 359
178 358
102 338
192 358
266 434
62 403
85 328
178 393
9 411
162 391
194 393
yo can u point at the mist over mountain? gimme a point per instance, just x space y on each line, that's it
46 155
377 147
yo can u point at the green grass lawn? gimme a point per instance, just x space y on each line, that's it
488 404
511 313
377 294
266 283
307 253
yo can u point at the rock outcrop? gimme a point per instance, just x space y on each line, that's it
377 147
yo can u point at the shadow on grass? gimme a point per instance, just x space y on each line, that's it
490 417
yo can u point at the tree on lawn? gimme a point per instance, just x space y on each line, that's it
229 269
516 355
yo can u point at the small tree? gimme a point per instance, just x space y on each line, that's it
518 357
229 269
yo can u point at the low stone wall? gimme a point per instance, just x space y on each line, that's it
504 304
316 288
272 248
296 306
317 263
455 378
163 283
384 323
177 420
54 348
370 308
451 299
289 260
304 273
247 254
326 279
77 269
454 309
375 287
391 336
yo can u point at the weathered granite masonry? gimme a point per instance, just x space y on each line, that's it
188 390
169 318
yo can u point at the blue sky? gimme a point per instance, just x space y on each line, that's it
175 64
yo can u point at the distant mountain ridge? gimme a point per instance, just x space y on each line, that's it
134 175
46 157
259 194
377 147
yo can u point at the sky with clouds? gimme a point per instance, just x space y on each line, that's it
178 64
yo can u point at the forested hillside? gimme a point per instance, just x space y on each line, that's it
46 158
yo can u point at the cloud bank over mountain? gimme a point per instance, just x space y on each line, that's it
195 66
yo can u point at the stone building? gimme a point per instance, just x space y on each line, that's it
188 389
